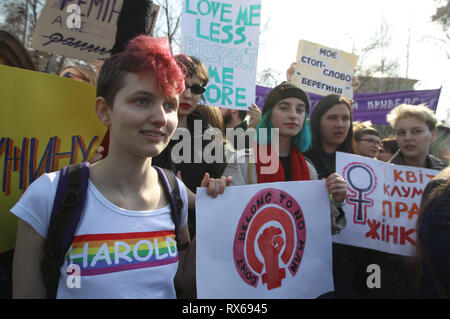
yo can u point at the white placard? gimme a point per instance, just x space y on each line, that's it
224 36
383 203
269 240
323 70
84 30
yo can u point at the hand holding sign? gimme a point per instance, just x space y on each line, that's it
322 70
337 187
290 72
216 186
355 82
254 115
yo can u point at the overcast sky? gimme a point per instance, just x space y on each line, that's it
350 24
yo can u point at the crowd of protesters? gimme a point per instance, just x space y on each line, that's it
146 97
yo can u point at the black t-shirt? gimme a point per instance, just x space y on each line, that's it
191 172
286 162
324 163
243 126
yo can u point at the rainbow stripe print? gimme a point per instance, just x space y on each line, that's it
107 253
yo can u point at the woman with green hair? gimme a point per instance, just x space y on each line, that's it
282 135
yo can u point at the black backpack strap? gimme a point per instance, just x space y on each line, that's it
66 214
176 203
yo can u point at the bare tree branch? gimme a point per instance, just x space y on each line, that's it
268 77
168 23
442 14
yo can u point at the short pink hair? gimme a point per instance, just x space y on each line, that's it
142 55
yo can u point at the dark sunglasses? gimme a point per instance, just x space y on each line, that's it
196 88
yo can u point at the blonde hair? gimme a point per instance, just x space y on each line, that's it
88 74
445 173
214 118
421 112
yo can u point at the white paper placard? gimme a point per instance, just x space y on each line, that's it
268 240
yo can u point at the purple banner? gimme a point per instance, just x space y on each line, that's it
372 106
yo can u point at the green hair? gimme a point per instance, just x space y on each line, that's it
302 140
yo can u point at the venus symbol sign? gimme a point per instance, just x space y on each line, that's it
270 239
362 181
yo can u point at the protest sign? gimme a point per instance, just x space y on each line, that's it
224 36
371 106
375 106
46 122
322 70
382 203
264 241
84 30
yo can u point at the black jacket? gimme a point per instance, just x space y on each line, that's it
191 173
